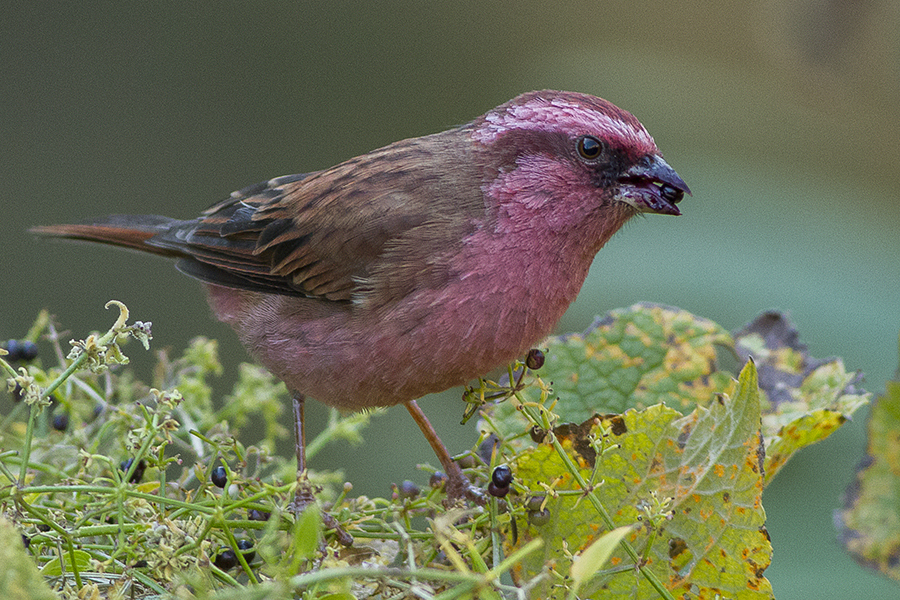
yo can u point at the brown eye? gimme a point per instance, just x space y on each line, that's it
589 147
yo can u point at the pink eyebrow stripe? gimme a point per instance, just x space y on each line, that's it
559 115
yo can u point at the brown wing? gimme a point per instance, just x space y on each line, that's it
342 232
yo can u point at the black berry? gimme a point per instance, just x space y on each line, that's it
12 349
536 516
25 350
497 491
534 503
437 479
29 350
138 473
537 434
487 447
226 560
408 489
219 476
672 194
539 517
60 421
502 476
466 461
246 548
258 515
535 359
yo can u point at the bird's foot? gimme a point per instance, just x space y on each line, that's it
458 487
304 498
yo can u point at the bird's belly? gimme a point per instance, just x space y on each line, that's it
354 358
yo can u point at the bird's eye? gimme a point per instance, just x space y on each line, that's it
589 147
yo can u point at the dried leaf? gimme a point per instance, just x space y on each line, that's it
808 398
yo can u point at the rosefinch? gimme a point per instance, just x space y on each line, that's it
419 266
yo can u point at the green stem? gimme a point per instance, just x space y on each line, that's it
495 533
75 571
428 574
223 523
26 450
94 489
149 582
8 368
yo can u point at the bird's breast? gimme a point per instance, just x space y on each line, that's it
502 302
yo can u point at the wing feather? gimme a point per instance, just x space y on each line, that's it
341 234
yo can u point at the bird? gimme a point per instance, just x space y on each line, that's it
419 266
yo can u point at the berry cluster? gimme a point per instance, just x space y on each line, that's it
227 559
21 350
501 478
537 516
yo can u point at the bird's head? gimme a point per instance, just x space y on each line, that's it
577 154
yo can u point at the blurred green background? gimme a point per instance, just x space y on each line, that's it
781 116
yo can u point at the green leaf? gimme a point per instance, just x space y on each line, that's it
307 533
649 354
19 578
869 523
595 556
705 465
54 567
631 358
634 358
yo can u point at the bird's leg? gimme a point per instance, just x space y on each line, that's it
297 400
458 485
304 496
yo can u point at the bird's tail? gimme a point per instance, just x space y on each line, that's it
129 231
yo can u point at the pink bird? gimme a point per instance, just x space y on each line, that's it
421 265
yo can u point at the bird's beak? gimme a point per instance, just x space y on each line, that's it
652 186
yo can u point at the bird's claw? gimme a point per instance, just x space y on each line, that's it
458 487
304 498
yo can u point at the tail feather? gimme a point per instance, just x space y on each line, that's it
206 255
129 231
